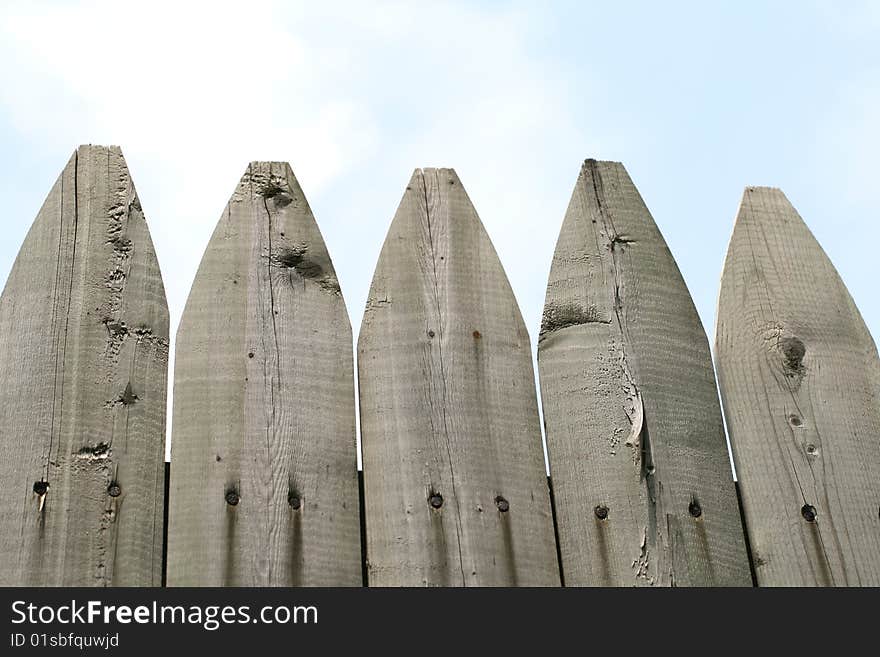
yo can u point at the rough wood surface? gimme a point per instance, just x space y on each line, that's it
643 489
800 381
264 488
455 487
83 371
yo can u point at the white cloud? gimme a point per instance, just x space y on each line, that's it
192 91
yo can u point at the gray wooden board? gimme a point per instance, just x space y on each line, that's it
83 372
643 488
264 409
800 381
448 407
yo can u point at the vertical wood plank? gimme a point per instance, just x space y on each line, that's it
455 486
264 488
643 487
83 371
800 382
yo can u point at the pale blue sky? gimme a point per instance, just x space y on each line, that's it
697 99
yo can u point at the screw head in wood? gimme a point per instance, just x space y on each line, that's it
114 489
436 500
695 509
232 498
808 511
41 487
601 512
502 504
430 334
294 501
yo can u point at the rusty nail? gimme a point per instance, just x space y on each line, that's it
114 489
601 512
436 500
478 335
502 504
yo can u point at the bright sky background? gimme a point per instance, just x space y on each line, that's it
697 99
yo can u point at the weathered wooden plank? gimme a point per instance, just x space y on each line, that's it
264 488
455 487
800 382
83 372
643 488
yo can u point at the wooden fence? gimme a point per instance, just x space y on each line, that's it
264 488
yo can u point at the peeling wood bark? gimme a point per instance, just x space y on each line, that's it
642 482
800 382
456 492
264 488
83 361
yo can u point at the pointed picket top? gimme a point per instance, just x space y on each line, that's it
264 488
83 369
642 483
455 486
800 381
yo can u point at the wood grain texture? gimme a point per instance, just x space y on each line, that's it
800 382
264 488
643 489
83 375
448 407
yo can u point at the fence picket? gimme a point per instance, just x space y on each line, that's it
83 370
800 382
455 487
643 488
264 483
